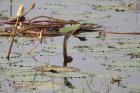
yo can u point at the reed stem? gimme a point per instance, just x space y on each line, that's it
13 37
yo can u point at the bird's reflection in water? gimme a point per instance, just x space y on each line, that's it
68 84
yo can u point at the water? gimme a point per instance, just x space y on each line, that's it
109 66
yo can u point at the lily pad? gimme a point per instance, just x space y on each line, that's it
132 86
135 54
12 55
28 75
45 86
69 75
29 64
115 7
125 64
50 68
68 28
39 85
127 46
68 90
103 75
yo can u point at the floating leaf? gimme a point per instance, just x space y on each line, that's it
48 68
103 75
132 86
122 45
125 64
68 28
68 90
12 55
69 75
39 85
29 64
113 7
27 77
45 86
135 54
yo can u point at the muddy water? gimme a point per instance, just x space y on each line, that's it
110 65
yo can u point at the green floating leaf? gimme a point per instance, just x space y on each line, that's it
56 69
122 45
27 77
68 28
69 75
115 7
46 86
30 64
39 85
132 86
68 90
12 55
134 54
125 64
103 75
